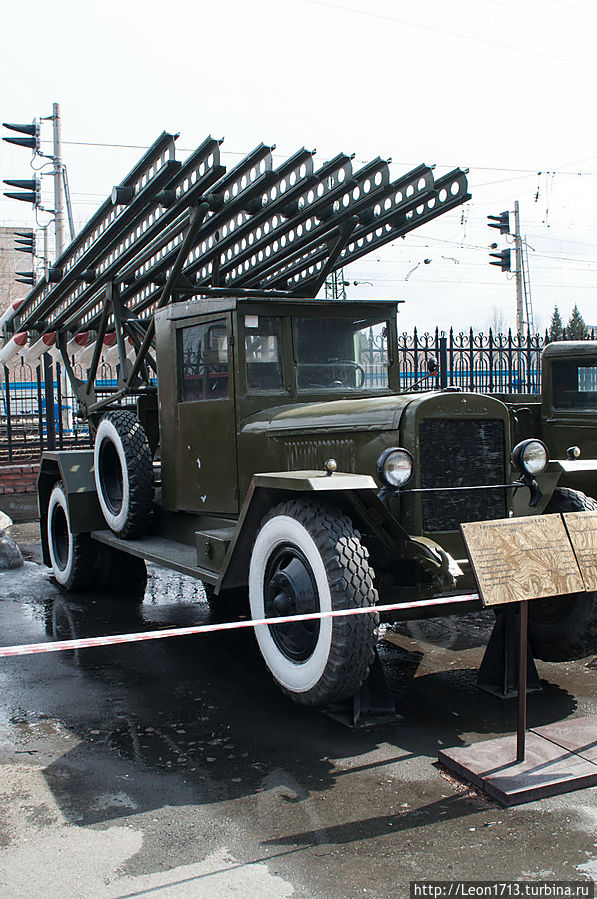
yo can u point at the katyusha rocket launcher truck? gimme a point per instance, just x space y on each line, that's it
259 438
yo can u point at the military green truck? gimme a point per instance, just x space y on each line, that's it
258 439
564 414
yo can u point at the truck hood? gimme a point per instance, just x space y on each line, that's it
374 413
379 413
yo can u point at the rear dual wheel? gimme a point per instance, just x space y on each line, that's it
80 563
308 558
73 556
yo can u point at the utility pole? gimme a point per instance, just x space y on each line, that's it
46 253
519 271
58 182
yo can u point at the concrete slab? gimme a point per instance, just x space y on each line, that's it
577 735
548 769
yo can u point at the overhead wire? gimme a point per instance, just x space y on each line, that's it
542 14
447 165
448 32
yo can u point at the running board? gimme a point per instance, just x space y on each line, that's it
167 553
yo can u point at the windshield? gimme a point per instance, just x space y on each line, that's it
341 353
575 383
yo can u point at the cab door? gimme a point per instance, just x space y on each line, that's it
207 479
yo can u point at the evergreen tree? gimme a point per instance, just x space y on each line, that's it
576 329
556 328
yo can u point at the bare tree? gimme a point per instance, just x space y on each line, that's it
497 321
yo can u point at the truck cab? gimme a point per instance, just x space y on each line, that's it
229 368
564 415
569 396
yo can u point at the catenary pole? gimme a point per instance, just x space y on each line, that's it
46 253
58 182
519 263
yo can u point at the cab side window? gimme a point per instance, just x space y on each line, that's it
263 353
203 361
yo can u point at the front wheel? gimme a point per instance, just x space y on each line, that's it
563 628
309 558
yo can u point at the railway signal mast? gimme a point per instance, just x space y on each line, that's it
29 190
503 259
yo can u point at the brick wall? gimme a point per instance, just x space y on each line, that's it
18 478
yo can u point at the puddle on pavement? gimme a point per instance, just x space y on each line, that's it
173 706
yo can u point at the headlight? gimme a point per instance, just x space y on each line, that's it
530 457
395 466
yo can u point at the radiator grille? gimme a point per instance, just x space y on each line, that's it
302 454
461 453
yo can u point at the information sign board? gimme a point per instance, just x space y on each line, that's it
519 559
582 530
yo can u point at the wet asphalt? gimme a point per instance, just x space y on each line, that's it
175 768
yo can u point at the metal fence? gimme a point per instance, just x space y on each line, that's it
485 363
38 409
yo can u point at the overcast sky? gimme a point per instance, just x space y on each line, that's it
505 89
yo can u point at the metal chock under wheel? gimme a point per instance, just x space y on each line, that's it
373 706
498 672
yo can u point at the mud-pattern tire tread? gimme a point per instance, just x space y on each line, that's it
139 471
351 583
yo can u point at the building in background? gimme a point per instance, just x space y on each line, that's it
11 261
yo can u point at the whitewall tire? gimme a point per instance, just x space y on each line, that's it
309 558
73 556
123 471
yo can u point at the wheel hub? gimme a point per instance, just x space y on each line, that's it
290 589
59 535
111 476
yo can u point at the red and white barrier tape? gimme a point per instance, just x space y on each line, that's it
28 649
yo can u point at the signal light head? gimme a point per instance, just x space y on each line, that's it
503 259
33 141
23 129
25 242
26 278
30 187
501 222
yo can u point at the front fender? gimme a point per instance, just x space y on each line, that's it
313 481
547 483
578 474
354 494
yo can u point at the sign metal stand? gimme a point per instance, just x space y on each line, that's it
517 561
522 682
